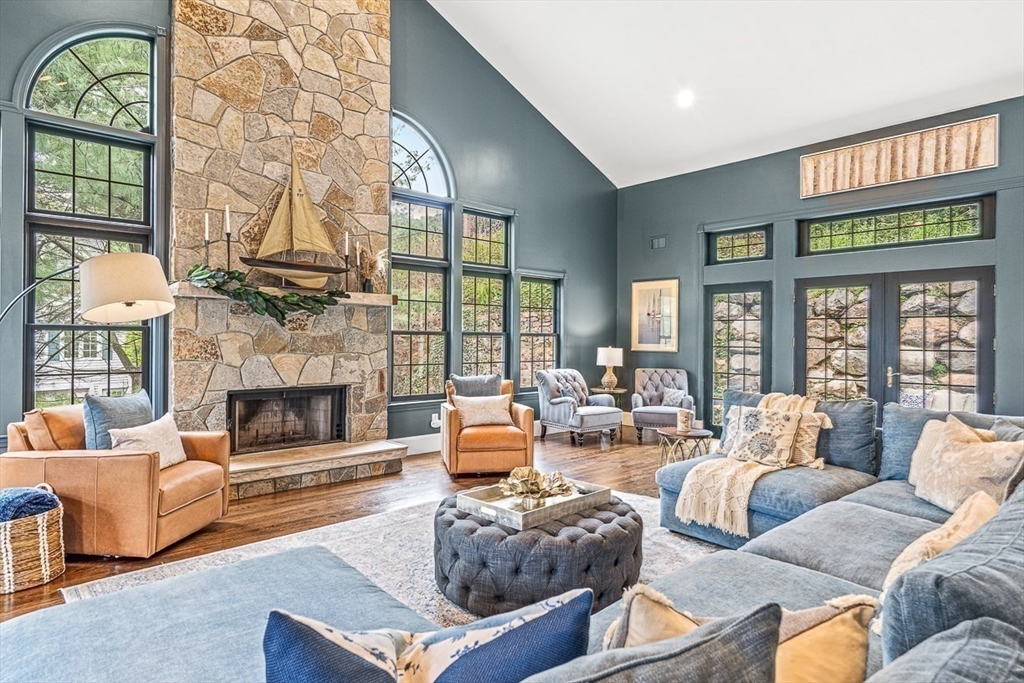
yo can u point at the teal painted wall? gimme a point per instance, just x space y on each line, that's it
505 153
765 190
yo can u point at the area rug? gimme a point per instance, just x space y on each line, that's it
395 550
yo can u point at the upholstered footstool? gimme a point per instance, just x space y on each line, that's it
488 568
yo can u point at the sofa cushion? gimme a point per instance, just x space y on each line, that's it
505 648
1007 431
738 649
901 429
188 481
846 540
981 576
977 651
657 416
592 416
785 494
492 438
203 626
103 413
757 524
897 495
61 428
851 441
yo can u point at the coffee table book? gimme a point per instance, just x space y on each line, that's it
493 505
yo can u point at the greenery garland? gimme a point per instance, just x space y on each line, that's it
232 283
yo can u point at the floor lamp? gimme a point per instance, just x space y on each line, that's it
116 288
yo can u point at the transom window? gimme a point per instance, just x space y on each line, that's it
88 194
484 240
538 328
937 222
739 245
105 81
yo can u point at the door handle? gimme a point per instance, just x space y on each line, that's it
889 374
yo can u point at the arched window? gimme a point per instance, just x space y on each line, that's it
415 165
104 80
90 177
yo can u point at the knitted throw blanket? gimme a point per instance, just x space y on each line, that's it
717 492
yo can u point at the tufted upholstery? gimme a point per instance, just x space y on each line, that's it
566 403
488 568
649 384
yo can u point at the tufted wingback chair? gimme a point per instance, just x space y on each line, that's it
649 385
566 404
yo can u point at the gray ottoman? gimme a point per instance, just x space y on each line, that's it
488 568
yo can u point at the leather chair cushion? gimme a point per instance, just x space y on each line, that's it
188 481
56 429
491 438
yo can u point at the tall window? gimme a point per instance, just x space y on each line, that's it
485 273
420 215
538 328
88 194
738 325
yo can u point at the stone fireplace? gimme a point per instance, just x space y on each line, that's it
285 418
254 82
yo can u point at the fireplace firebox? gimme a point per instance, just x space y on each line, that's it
263 420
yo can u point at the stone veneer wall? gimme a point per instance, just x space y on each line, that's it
251 81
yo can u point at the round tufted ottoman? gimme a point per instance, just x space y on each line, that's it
488 568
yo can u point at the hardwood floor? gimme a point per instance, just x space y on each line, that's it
624 465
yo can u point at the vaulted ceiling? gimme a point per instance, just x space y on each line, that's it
764 76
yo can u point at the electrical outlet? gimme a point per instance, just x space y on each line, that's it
435 420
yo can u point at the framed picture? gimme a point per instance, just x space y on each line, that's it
654 316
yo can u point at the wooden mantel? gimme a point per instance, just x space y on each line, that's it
187 290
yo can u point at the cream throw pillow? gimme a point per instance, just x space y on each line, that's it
805 446
160 436
929 439
765 436
475 411
975 511
959 465
827 643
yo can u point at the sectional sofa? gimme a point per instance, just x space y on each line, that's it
208 626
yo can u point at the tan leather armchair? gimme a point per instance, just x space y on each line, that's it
486 448
120 502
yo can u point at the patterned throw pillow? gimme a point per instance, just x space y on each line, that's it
505 648
959 465
765 436
805 447
826 643
484 410
160 436
673 398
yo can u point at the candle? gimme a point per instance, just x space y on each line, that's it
346 243
227 219
357 253
207 222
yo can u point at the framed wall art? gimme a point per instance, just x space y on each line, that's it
654 316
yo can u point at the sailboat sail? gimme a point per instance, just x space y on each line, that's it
295 227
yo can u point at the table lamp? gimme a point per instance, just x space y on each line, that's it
609 357
116 288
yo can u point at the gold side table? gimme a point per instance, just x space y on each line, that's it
676 445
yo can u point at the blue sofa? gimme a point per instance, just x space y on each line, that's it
850 465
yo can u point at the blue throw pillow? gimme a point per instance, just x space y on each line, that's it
103 413
505 648
980 651
477 385
732 650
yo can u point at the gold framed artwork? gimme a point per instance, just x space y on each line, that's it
944 150
654 316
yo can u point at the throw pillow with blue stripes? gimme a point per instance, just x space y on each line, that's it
499 649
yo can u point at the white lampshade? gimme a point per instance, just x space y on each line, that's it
607 355
119 288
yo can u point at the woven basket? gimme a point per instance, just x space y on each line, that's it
32 549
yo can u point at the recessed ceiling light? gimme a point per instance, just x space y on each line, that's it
685 98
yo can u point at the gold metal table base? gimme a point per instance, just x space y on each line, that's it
676 449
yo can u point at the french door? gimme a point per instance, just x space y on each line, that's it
921 339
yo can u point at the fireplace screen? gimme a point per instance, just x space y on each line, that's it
286 418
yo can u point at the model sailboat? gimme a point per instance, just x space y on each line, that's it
295 227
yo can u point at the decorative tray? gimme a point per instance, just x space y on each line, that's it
493 505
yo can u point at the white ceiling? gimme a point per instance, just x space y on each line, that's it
767 75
